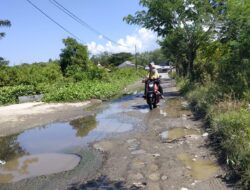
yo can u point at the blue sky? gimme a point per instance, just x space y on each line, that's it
34 38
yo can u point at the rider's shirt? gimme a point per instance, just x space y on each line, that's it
154 75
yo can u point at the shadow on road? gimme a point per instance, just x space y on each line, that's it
141 107
102 183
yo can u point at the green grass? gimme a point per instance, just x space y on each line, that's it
232 130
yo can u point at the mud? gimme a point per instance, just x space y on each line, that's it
199 169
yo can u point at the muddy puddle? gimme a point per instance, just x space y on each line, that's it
177 133
198 169
26 153
176 107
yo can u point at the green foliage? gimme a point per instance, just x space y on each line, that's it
172 74
232 128
205 96
73 56
3 62
157 56
30 74
184 85
4 23
181 23
102 59
10 94
227 60
87 89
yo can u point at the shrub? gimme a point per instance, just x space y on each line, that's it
10 94
232 130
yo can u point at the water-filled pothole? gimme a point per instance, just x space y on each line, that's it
199 169
58 137
178 132
36 165
175 109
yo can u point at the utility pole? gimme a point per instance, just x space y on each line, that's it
135 58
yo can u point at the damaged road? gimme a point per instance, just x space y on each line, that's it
171 153
165 148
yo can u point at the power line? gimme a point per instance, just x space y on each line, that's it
51 19
80 21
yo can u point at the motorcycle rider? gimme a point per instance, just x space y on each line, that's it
153 74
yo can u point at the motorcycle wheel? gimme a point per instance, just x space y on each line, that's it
150 103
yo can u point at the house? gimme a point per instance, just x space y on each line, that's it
126 64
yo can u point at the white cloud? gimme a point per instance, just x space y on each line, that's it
145 40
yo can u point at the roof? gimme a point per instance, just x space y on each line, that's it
126 64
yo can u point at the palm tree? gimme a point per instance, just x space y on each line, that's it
4 23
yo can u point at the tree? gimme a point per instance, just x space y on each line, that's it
3 62
193 21
102 59
4 23
73 57
235 61
157 56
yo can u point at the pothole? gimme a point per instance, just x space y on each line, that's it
177 133
37 165
174 108
198 169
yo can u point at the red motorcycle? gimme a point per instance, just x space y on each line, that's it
152 94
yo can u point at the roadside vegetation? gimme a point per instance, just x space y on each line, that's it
209 43
74 77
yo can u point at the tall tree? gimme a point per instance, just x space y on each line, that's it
3 62
74 56
194 22
4 23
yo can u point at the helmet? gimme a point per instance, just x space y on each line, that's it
152 64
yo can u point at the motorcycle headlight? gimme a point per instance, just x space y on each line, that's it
151 85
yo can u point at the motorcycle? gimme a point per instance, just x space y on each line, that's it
152 94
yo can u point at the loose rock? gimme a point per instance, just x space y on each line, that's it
205 134
163 178
154 177
156 155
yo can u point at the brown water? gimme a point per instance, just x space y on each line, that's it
177 133
199 169
175 109
25 153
